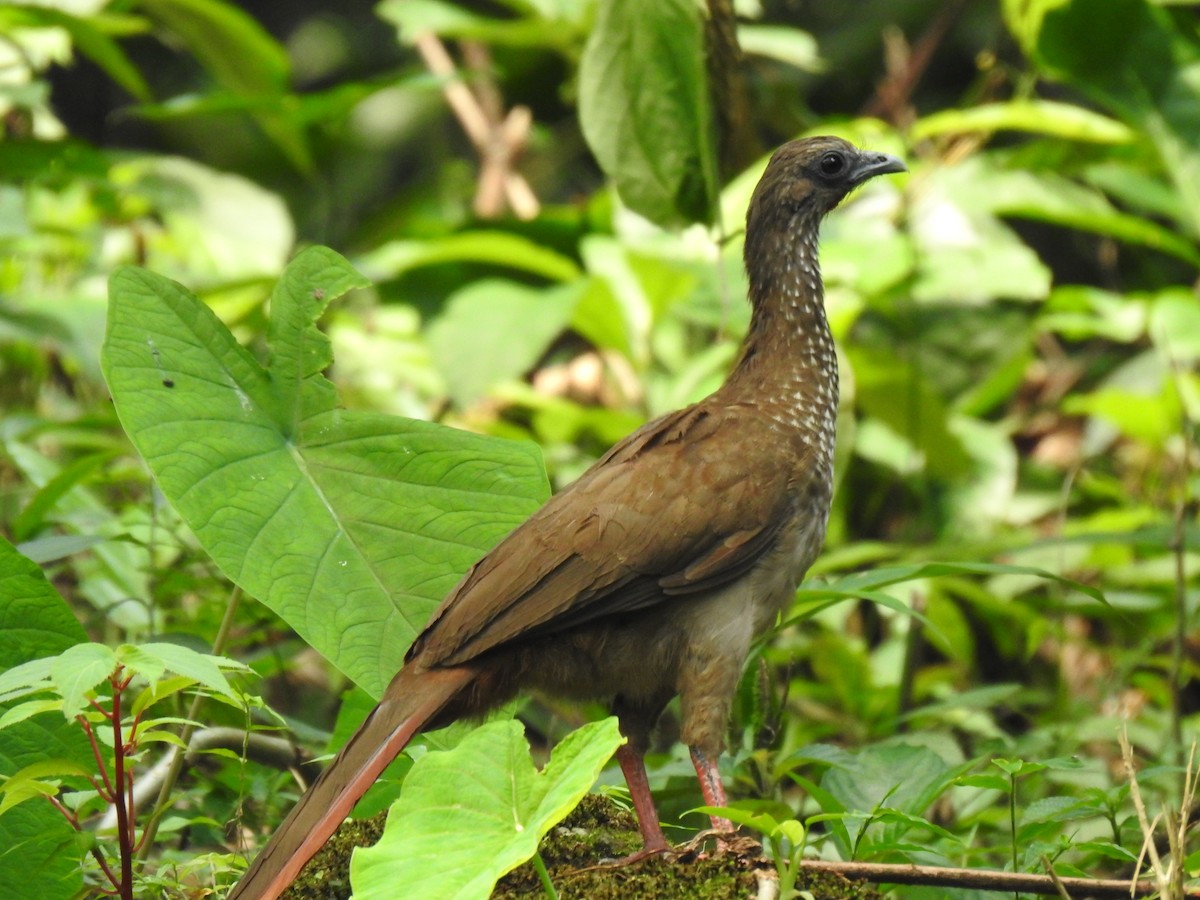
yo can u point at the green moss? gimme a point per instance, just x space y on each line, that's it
597 831
327 875
576 853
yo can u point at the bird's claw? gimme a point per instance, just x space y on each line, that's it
725 841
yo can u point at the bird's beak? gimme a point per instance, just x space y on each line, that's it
871 164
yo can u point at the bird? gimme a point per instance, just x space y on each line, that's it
650 576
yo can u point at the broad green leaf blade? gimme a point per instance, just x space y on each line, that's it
656 145
22 711
921 421
782 42
79 670
33 516
228 41
41 779
469 815
113 577
35 622
352 526
901 777
536 25
965 253
150 661
39 851
493 331
230 224
37 847
1049 197
299 350
1175 326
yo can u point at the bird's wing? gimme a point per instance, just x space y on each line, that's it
669 511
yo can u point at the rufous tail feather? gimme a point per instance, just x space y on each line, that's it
412 698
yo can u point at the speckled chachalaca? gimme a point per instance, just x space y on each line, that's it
649 576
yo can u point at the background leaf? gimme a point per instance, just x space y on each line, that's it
656 145
1136 63
493 331
242 56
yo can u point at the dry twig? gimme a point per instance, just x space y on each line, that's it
498 138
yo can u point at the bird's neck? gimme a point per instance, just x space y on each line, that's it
788 364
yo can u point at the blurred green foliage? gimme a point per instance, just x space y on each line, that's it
1018 323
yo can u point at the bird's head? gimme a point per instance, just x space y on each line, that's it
811 176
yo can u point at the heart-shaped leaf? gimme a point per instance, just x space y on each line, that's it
351 525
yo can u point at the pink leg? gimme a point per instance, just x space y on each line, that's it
634 769
711 786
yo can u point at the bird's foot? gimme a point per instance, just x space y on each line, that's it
643 854
723 841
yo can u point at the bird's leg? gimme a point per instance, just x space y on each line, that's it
711 787
633 766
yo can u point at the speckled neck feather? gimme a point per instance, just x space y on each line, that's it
788 366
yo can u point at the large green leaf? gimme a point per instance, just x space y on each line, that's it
645 111
469 815
350 525
34 620
37 847
40 852
920 420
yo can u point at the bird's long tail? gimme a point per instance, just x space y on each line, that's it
412 698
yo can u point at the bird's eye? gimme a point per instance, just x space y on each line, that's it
832 163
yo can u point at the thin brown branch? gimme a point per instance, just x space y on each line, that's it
984 879
107 870
906 65
70 815
462 102
1059 887
105 792
498 138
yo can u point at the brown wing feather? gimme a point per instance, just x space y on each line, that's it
625 535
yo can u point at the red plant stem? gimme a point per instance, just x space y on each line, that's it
106 792
131 748
124 825
71 816
108 872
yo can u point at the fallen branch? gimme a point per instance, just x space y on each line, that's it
267 750
985 879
